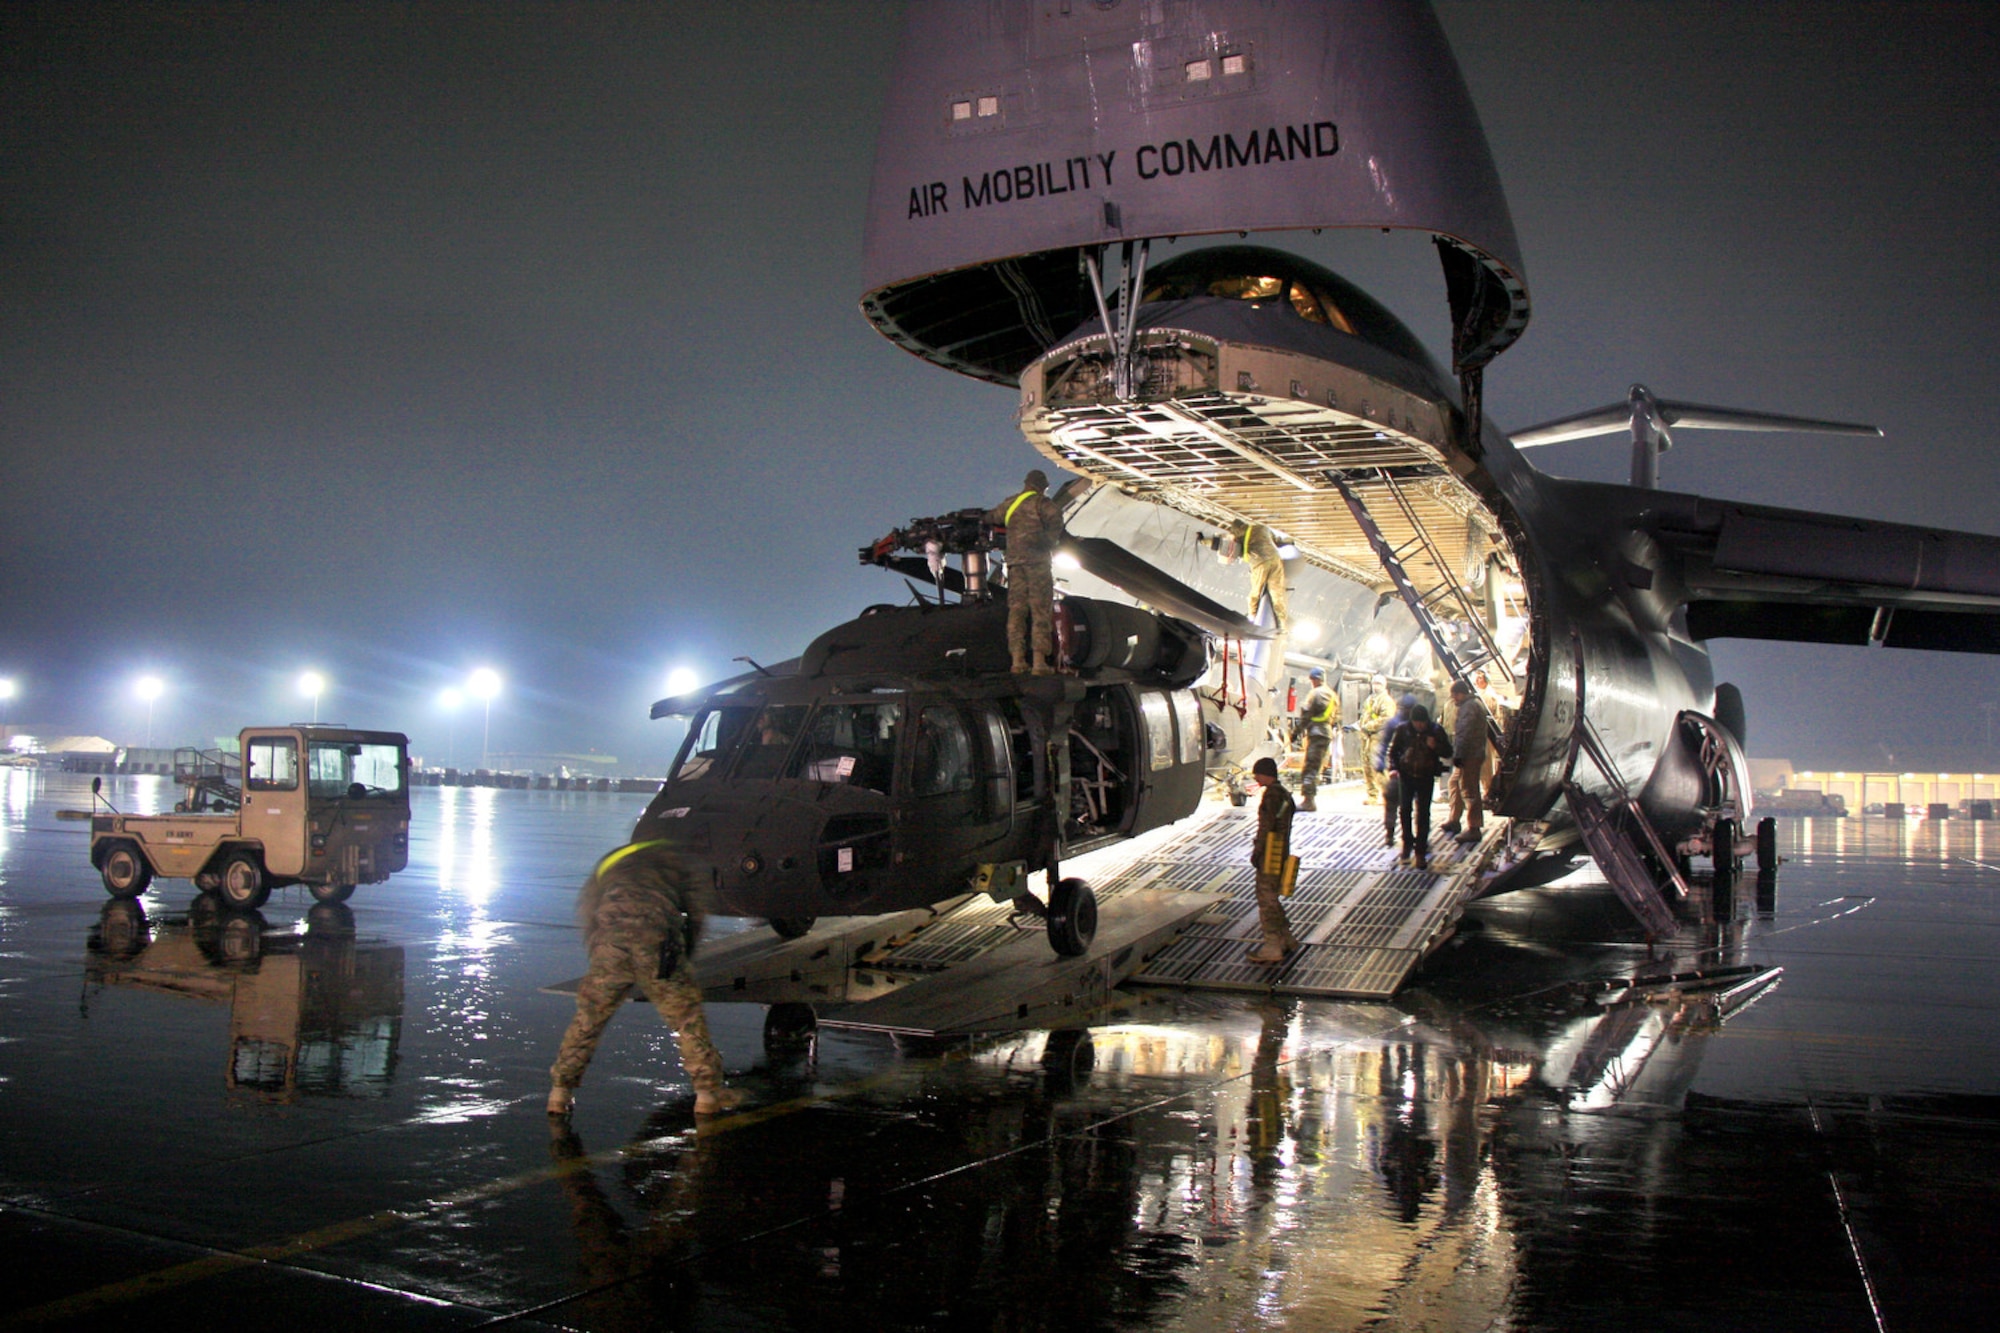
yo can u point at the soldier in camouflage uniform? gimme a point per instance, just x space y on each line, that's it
640 920
1274 821
1253 544
1321 715
1376 710
1034 526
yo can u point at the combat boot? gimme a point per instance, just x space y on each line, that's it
714 1101
1308 804
561 1100
1274 949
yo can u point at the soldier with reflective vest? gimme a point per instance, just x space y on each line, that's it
1276 867
1376 710
1321 715
1034 526
641 917
1255 546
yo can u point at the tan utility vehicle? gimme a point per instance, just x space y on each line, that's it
327 807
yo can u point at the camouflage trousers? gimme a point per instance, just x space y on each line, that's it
614 970
1271 909
1316 748
1368 773
1031 600
1270 578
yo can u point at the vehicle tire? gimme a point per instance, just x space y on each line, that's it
241 937
208 881
1072 918
331 893
790 1029
329 919
126 873
1068 1057
122 929
243 884
1767 844
1723 854
792 927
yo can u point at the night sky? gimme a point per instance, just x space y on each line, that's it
391 341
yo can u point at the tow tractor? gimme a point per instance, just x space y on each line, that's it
323 806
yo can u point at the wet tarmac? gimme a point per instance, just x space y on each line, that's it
315 1115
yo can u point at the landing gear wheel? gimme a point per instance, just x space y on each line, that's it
790 1029
1068 1057
243 884
1072 918
1723 854
331 893
125 871
791 927
1767 845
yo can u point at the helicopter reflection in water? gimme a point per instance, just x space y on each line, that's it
317 1013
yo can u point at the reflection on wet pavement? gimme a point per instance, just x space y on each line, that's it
336 1114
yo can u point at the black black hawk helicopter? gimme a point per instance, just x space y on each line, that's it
899 762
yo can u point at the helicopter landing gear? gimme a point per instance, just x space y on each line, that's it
791 927
790 1029
1072 918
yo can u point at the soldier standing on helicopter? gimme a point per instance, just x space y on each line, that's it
1034 527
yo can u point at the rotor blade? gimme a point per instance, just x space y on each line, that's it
916 567
1160 590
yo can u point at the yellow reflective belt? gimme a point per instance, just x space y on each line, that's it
1326 713
1008 516
625 851
1246 541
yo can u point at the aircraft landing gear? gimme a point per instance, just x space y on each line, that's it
792 927
1767 845
790 1029
1072 918
1722 853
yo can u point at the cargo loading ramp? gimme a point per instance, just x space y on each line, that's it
1176 911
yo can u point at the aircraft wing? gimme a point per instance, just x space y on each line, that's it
1160 590
1754 572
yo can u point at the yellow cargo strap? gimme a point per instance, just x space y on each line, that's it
1008 516
625 851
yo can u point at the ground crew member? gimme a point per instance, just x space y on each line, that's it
640 920
1321 713
1253 544
1418 748
1502 715
1034 527
1469 750
1376 710
1267 854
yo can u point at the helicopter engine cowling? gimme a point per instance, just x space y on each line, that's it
1098 635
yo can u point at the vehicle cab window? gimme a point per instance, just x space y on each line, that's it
943 755
274 764
347 768
853 744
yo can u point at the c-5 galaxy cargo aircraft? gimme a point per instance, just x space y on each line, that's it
1033 150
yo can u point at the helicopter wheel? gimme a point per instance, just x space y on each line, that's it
790 1029
1767 845
791 927
1072 918
1722 852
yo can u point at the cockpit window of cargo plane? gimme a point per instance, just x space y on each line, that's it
851 744
716 732
1306 303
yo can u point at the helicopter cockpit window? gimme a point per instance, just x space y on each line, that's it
715 732
852 744
943 760
770 739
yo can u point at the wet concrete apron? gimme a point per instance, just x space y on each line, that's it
318 1116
